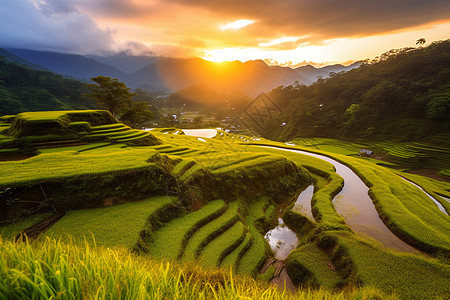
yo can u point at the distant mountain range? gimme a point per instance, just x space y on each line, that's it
160 74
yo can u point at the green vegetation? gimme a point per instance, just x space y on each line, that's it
402 94
109 226
23 89
170 240
116 97
9 231
387 270
254 258
214 228
51 268
217 249
191 227
65 164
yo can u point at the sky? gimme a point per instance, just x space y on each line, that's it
281 32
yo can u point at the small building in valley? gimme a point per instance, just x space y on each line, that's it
366 153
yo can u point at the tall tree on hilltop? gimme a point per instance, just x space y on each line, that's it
420 41
110 93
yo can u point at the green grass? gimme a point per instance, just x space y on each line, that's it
49 115
256 255
410 276
433 187
9 231
183 166
404 209
321 203
204 235
232 259
167 242
70 163
108 226
315 261
72 148
215 251
52 269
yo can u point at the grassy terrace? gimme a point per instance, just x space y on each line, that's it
374 270
325 190
203 236
256 255
170 240
217 249
110 226
63 164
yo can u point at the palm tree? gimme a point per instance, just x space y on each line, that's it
420 41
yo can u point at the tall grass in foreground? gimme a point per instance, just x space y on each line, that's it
52 269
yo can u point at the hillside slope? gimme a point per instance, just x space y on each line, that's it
23 89
404 93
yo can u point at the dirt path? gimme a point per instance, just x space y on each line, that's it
37 229
281 277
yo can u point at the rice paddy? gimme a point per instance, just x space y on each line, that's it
210 202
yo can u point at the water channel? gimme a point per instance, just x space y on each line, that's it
439 205
356 207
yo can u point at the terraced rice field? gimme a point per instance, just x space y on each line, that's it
215 236
229 233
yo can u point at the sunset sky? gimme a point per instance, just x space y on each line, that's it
285 32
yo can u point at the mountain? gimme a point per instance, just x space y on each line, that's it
9 57
124 62
250 77
72 65
312 73
158 74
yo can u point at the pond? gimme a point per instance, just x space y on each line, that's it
282 240
203 133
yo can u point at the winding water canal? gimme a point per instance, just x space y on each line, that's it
356 207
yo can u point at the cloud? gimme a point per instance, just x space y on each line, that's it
236 24
44 25
187 27
325 19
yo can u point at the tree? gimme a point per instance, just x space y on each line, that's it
136 114
420 41
111 94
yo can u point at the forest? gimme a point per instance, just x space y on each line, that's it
402 94
25 89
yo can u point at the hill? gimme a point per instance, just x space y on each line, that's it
125 62
404 94
158 74
23 89
72 65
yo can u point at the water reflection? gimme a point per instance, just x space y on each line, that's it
441 208
282 240
303 203
204 133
